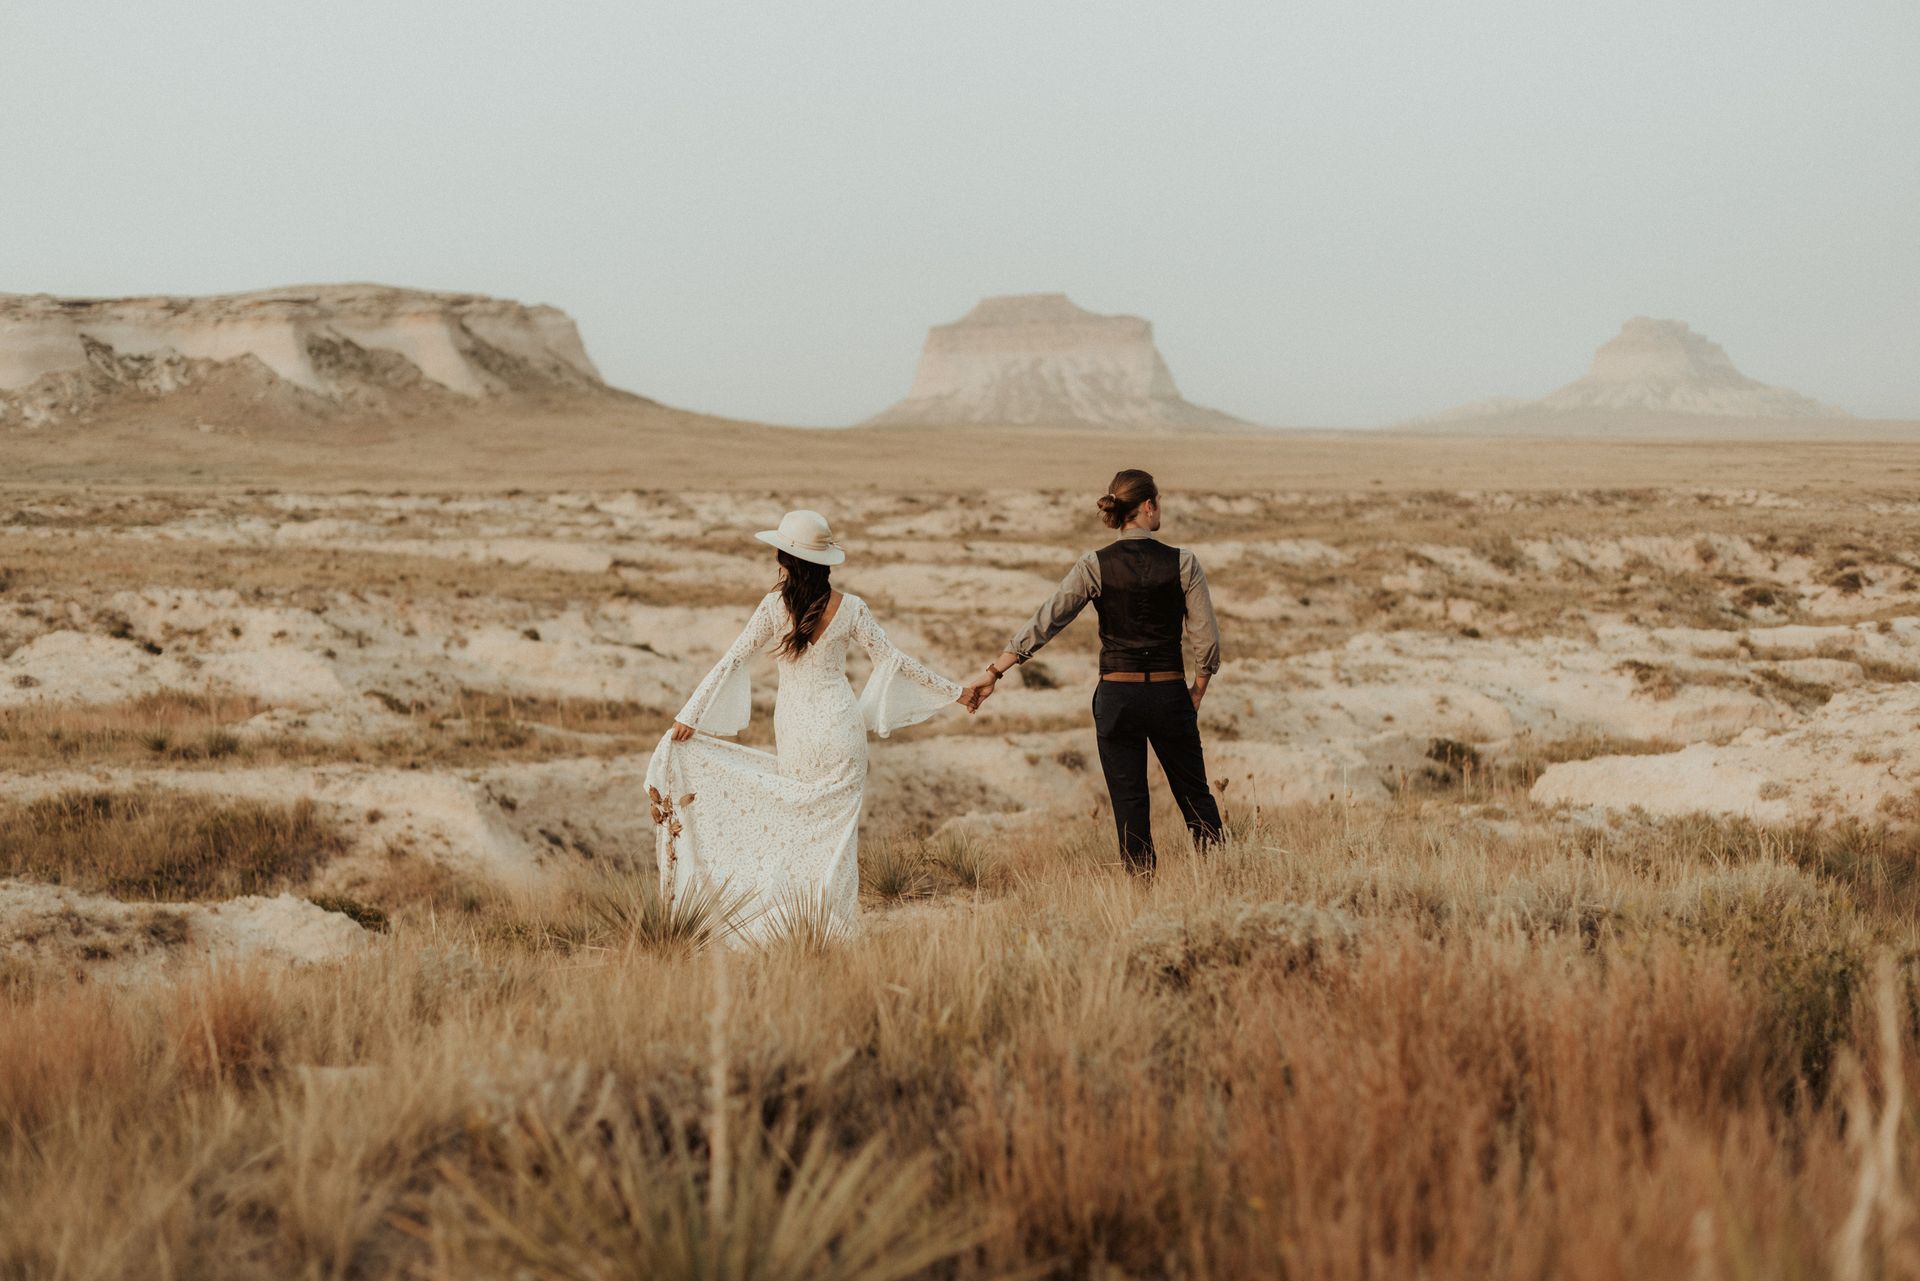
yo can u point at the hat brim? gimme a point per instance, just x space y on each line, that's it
828 556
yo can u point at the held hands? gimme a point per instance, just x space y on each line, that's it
980 688
977 691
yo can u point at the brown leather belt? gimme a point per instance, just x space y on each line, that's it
1139 678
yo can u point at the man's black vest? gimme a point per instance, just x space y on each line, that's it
1142 607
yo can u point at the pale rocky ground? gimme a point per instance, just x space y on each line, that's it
125 942
468 684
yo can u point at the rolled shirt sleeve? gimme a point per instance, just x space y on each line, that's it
1202 628
1081 585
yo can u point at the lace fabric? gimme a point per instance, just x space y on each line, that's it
784 825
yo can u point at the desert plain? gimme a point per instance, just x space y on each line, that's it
1566 925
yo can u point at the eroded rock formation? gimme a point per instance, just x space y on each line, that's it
1041 360
1658 367
309 350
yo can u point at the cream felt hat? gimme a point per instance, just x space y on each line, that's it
807 535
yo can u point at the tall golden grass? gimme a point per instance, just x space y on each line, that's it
1383 1043
155 845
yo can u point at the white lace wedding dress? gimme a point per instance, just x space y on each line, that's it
782 827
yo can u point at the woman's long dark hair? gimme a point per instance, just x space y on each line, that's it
804 586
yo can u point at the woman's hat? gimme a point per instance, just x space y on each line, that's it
806 535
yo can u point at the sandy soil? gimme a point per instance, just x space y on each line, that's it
653 447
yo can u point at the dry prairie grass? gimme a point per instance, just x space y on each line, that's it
169 726
182 730
508 725
163 846
1353 1043
102 561
1437 1039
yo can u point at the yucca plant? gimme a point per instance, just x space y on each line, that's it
893 871
632 912
804 920
965 859
601 1199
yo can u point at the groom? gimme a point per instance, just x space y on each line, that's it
1149 596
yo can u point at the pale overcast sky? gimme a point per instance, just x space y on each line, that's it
1335 213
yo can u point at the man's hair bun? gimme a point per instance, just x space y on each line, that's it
1129 489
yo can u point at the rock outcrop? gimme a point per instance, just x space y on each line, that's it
310 351
1040 360
1855 759
1655 367
65 929
1664 365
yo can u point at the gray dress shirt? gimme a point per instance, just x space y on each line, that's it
1082 584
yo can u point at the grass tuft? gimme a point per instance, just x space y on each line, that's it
804 921
894 870
965 860
599 1197
630 912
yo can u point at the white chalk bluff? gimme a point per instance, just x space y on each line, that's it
311 349
1657 366
1663 364
1041 360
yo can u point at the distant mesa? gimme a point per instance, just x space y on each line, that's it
306 352
1657 367
1040 360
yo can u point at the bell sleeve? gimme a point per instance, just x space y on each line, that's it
723 702
901 691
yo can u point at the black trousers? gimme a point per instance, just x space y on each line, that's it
1127 718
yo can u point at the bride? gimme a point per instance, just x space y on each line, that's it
781 829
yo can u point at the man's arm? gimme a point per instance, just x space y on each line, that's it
1202 628
1081 585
